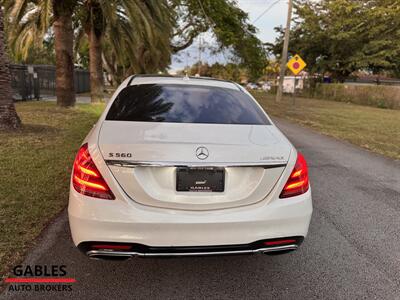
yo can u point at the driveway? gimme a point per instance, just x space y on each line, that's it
352 251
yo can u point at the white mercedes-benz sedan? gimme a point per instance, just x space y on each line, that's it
180 166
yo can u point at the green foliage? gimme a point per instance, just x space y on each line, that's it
371 95
35 170
342 36
27 26
136 33
230 26
228 71
137 36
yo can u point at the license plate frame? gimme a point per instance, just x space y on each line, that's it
200 179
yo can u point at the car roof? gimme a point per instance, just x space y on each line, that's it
185 80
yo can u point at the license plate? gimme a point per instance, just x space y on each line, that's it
200 179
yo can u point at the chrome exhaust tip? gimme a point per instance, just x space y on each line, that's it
108 255
280 250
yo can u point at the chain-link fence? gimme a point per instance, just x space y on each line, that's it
39 81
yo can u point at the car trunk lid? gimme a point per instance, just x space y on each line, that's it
145 157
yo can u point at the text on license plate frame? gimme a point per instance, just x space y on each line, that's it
200 179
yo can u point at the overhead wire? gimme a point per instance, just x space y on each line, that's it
265 11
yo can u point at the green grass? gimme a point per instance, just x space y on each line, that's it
35 166
375 129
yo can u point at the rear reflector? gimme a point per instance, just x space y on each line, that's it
86 178
297 183
280 242
112 247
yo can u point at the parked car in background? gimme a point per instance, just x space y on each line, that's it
266 87
252 86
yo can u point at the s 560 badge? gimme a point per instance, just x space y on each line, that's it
120 154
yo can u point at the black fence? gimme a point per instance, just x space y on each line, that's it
373 81
39 81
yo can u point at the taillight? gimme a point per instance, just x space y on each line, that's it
297 183
87 179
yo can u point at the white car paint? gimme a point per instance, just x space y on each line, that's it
147 208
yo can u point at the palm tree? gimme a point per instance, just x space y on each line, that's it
63 45
94 27
30 22
135 33
8 116
144 50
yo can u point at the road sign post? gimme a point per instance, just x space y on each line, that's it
294 89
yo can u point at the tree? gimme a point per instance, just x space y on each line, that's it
230 25
342 36
64 41
134 32
30 22
95 32
229 71
8 116
137 36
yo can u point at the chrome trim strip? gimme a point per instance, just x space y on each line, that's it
134 164
100 253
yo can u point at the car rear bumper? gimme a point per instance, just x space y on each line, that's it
104 250
128 222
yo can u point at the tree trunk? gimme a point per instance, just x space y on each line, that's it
95 29
8 116
95 67
110 69
63 44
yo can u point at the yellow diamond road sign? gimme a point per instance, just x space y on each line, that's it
296 64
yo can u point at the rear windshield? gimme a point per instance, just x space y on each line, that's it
185 104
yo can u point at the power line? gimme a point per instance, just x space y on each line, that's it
265 11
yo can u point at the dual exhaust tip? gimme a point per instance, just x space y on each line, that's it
114 251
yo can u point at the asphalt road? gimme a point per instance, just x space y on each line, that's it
352 251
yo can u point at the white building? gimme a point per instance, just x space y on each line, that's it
292 82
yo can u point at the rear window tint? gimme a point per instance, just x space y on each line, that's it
185 104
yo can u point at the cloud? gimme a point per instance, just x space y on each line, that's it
276 16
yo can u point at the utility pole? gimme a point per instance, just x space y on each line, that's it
187 63
284 53
200 49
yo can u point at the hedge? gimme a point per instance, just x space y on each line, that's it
372 95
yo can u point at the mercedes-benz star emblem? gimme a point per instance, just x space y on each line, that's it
202 153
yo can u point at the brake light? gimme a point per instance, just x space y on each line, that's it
112 247
86 178
297 183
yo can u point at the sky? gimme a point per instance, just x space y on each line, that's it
275 16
